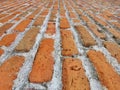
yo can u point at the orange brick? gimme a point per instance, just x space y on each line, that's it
51 28
85 18
9 70
1 51
45 12
114 49
28 40
64 24
73 75
76 20
39 21
42 69
2 15
117 24
22 25
68 45
107 74
7 40
79 12
5 27
94 28
87 39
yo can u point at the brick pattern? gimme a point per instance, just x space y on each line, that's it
59 45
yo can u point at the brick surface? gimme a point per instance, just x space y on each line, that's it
5 27
42 69
7 40
74 75
85 36
58 39
39 21
51 28
68 45
64 24
8 71
114 49
28 40
21 27
94 28
107 76
1 51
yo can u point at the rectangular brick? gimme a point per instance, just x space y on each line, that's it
42 69
87 39
51 28
9 70
105 71
39 21
113 48
5 27
72 15
64 24
69 47
94 29
85 18
115 33
8 39
22 25
28 40
73 75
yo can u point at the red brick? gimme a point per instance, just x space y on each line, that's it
42 69
9 70
64 24
68 45
85 18
72 15
22 25
107 74
8 39
87 39
28 40
51 28
115 33
5 27
73 75
1 51
114 49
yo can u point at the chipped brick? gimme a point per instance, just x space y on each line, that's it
73 75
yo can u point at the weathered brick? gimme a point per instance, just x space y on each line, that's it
8 39
22 25
9 70
107 74
39 21
72 15
1 51
51 28
117 24
76 20
64 24
42 69
87 39
5 27
94 28
73 75
114 49
68 45
115 33
28 40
